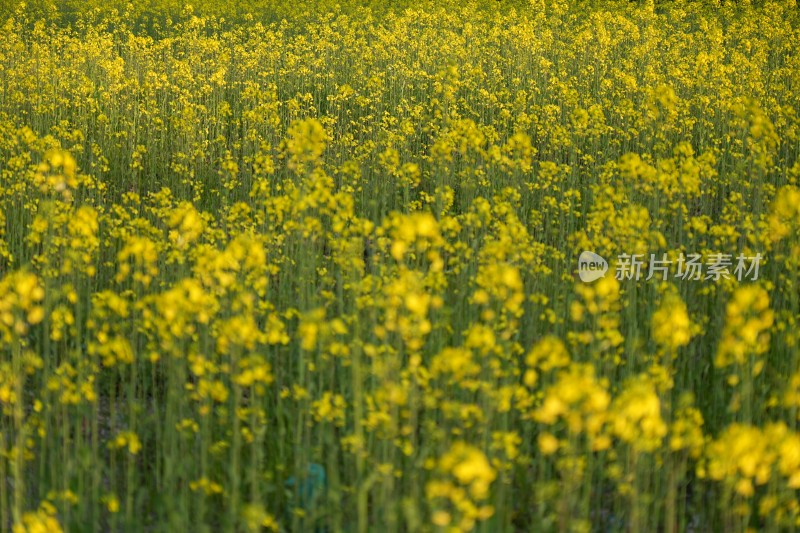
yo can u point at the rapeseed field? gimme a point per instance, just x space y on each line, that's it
399 267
